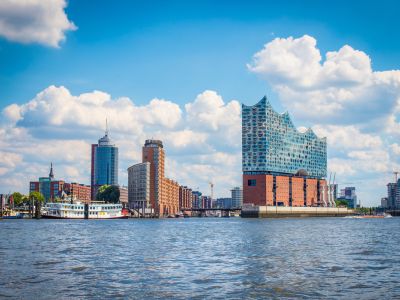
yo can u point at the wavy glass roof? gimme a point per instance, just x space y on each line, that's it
271 143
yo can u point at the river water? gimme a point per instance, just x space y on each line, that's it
198 258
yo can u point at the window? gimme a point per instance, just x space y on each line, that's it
251 182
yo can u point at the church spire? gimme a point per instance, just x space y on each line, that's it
51 174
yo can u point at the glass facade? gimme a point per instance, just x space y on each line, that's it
105 162
272 144
44 187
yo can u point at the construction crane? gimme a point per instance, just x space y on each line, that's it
395 175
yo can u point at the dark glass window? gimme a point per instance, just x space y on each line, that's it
251 182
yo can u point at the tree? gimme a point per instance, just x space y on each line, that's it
341 203
38 199
36 196
108 193
19 199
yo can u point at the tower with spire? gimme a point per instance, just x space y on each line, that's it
104 163
51 174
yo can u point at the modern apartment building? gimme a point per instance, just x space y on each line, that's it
104 168
393 195
281 166
237 197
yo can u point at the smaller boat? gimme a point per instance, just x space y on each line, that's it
382 216
14 216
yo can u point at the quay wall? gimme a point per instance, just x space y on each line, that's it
291 211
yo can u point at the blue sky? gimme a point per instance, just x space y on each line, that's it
175 51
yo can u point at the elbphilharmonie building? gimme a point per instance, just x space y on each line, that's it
281 166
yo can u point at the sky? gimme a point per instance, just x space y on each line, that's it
179 70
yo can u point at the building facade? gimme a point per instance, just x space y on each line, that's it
185 198
393 195
224 203
237 197
196 199
104 167
139 186
348 194
77 191
153 152
53 189
149 188
123 196
281 166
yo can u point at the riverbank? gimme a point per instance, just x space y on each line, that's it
250 211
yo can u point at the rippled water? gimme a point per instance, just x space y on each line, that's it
201 258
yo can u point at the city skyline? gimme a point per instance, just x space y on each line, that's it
184 85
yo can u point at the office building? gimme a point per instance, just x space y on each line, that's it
384 202
224 203
237 197
139 186
281 166
104 167
196 199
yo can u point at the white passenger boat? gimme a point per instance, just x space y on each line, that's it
77 211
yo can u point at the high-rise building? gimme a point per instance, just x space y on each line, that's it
384 202
348 194
153 152
104 169
281 166
237 197
139 186
160 193
196 200
393 198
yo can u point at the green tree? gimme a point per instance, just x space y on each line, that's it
19 199
108 193
36 196
37 199
341 203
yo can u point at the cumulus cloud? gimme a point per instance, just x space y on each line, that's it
35 21
355 107
347 137
57 126
342 88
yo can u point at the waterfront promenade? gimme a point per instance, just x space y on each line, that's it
200 258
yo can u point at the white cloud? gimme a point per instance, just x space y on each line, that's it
347 137
355 107
342 89
56 126
395 148
34 21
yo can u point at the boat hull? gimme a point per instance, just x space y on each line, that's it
79 218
